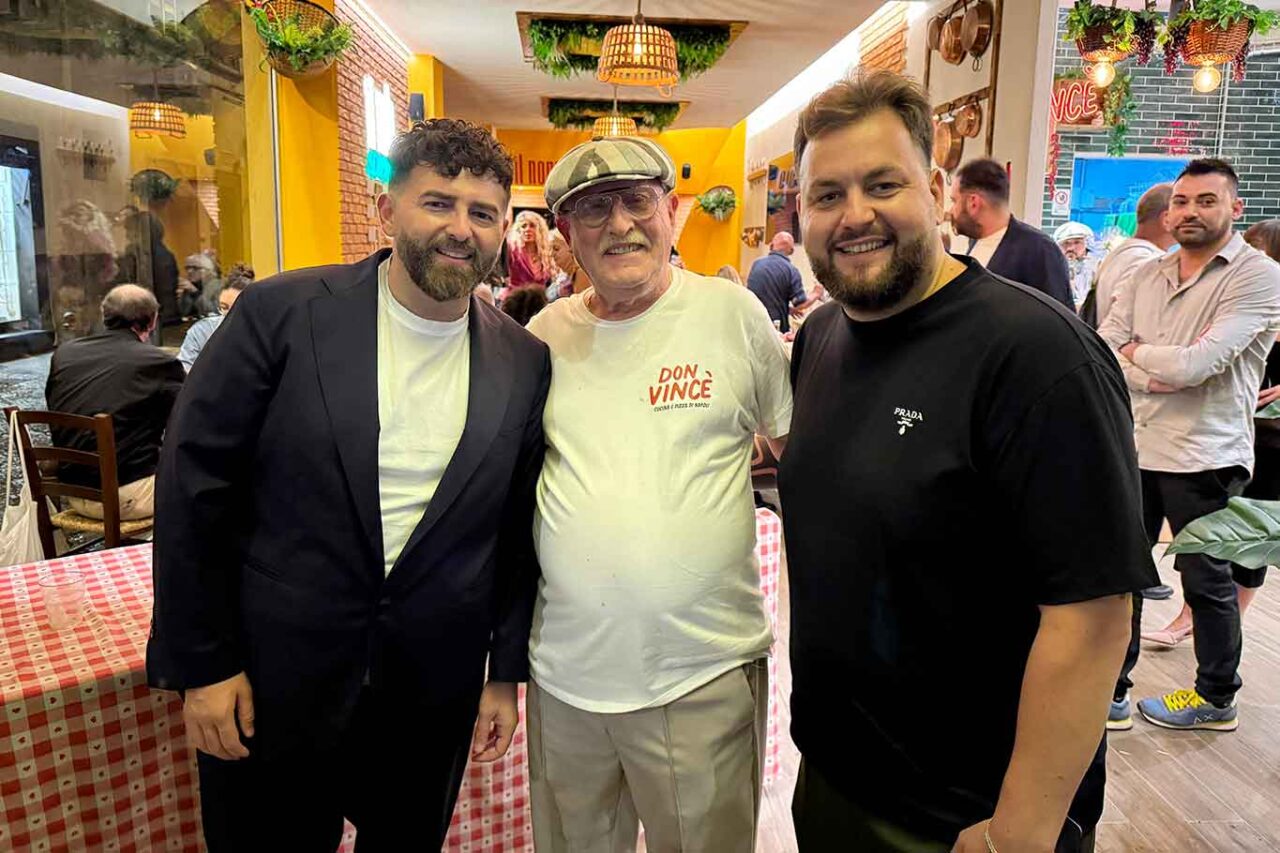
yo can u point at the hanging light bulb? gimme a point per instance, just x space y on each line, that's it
1102 74
1206 79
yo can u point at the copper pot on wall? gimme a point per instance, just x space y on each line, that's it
969 120
975 30
948 145
952 46
933 36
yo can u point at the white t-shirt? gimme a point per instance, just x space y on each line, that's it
645 523
985 248
424 369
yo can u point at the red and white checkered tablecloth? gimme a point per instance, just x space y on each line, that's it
90 757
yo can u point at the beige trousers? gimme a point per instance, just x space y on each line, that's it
137 500
689 771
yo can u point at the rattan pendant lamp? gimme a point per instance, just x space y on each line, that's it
614 124
639 54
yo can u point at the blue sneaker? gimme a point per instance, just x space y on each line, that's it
1120 719
1186 709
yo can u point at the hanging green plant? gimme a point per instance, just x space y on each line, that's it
1118 108
301 39
581 113
718 202
152 185
564 48
1212 26
1095 27
776 202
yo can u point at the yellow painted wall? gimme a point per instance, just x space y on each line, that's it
310 222
426 75
259 186
705 244
715 156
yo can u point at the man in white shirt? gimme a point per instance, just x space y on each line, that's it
343 526
1151 239
1192 331
649 692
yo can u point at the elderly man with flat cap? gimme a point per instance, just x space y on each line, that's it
648 690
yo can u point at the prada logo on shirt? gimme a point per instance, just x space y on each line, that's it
681 386
907 419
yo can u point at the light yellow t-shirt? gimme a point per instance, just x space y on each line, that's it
645 523
424 370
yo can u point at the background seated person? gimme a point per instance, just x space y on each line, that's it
118 373
198 335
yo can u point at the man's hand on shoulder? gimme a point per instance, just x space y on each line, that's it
211 713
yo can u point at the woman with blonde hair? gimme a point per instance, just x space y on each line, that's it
729 272
529 262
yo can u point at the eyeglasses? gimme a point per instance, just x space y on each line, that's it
639 202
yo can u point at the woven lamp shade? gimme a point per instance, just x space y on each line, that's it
638 54
614 125
154 118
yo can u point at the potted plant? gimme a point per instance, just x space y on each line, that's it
776 202
1101 33
301 38
1210 32
1246 532
718 202
153 186
563 48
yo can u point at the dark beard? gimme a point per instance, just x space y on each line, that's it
442 283
891 286
965 226
1206 237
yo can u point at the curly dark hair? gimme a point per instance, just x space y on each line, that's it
448 146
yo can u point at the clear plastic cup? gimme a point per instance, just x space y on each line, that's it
64 598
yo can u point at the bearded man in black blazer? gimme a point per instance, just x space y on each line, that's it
344 525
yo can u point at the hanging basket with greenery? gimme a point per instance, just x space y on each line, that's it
776 202
565 48
718 202
153 185
581 113
301 38
1211 32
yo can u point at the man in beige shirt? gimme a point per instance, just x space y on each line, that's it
1192 331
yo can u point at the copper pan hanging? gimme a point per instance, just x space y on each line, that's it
975 30
952 47
948 145
969 120
933 36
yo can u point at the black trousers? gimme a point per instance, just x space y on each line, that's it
396 779
1207 583
827 821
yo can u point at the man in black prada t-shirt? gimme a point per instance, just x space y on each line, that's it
960 496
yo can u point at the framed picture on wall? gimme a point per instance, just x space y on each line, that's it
1105 190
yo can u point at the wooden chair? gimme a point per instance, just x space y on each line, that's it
39 459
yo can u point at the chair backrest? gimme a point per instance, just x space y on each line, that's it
48 485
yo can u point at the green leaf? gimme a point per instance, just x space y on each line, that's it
552 42
1246 532
581 112
1271 411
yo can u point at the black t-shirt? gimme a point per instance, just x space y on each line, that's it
948 470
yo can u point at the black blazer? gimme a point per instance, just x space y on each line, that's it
268 540
1029 256
114 373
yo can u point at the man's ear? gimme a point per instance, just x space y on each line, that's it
938 189
562 225
386 213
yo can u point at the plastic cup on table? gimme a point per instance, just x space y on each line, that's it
64 598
